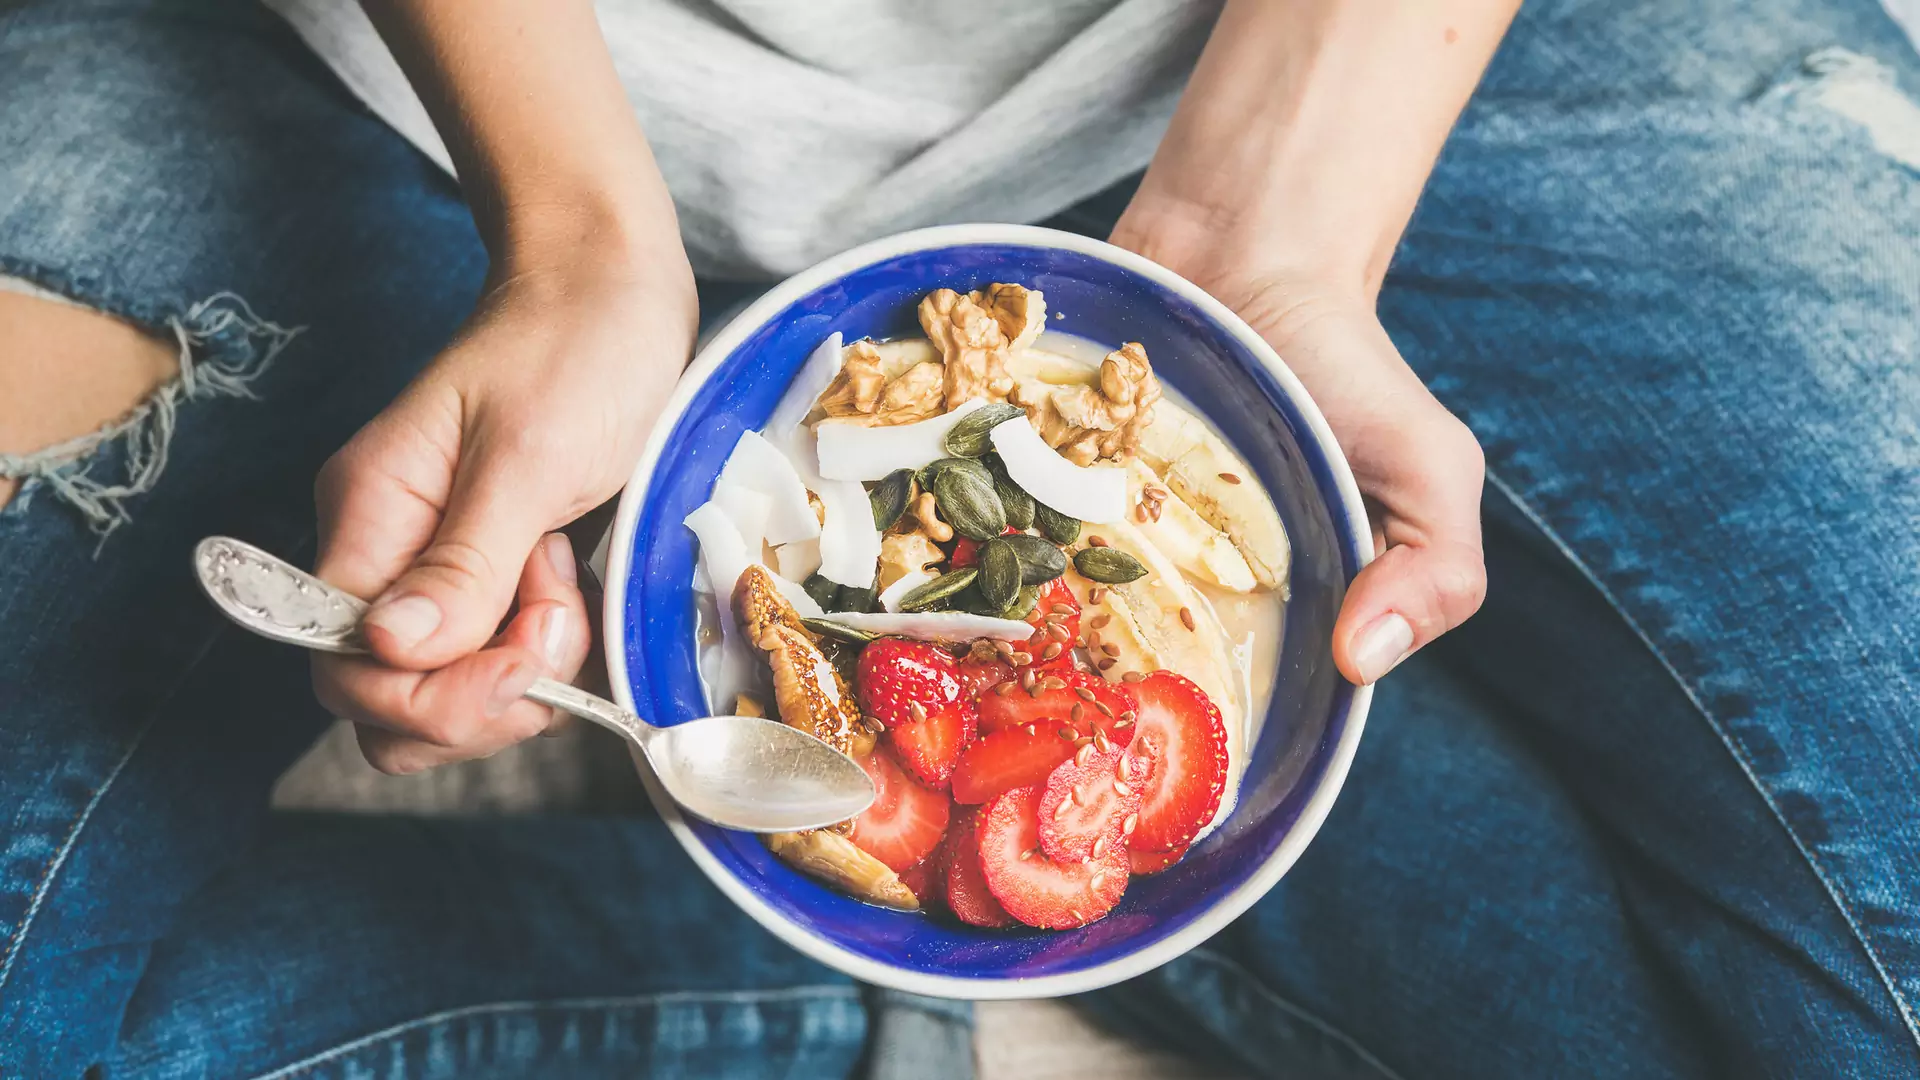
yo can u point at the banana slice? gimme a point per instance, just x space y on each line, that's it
1111 622
1178 627
1202 551
835 860
1202 470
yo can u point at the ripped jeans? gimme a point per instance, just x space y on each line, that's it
1654 812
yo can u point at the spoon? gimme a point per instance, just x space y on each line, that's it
738 772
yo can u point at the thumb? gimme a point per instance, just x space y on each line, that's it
1404 599
451 600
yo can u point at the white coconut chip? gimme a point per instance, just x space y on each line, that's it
798 560
850 451
950 626
724 554
759 465
807 386
849 542
748 509
891 596
1096 494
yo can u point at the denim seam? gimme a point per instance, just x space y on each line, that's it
314 1061
1322 1026
1834 892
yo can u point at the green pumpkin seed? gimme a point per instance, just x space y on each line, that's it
1040 560
1109 566
1023 604
824 592
970 438
857 601
890 497
999 581
928 597
963 490
831 629
1019 504
1059 528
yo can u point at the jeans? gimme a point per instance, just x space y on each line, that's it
1651 813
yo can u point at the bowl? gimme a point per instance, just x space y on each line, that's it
1199 347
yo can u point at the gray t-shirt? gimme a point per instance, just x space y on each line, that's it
789 130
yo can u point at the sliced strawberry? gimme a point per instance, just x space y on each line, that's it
1055 608
924 878
966 885
966 552
1087 801
1181 729
1033 888
1109 706
915 690
1008 759
1143 863
979 677
906 820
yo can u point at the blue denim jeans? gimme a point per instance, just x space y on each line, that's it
1652 813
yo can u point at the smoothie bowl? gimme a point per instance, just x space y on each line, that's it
1053 544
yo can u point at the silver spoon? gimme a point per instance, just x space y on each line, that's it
738 772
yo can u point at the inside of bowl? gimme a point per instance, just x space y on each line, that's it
1214 370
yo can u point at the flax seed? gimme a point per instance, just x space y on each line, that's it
1068 734
1082 741
1100 741
1132 676
1098 594
1052 650
1028 678
1096 541
1022 658
1093 639
1080 757
1154 512
918 710
1003 689
1073 794
1128 716
1186 617
1027 854
1140 513
1079 711
873 724
1106 710
1229 478
1005 650
1054 682
1100 621
1106 662
1110 649
1084 693
1061 810
1058 632
1061 609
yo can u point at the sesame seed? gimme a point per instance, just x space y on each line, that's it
1120 788
1132 676
1061 609
918 710
1130 823
1128 716
1186 617
1085 694
1229 478
1106 662
1074 914
1052 650
1100 621
1126 766
1054 682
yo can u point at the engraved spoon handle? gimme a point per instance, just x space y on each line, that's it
275 599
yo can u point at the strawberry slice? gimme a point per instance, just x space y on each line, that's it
1033 888
906 820
1088 800
1143 863
1056 621
966 884
979 677
1069 698
915 690
1180 728
1008 759
924 878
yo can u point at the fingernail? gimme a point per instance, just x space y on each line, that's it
560 554
509 689
553 637
410 619
1381 646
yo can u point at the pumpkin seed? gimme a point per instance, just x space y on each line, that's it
1023 604
1057 526
823 591
1019 504
999 581
1040 560
963 490
970 438
856 601
890 497
1110 566
831 629
929 596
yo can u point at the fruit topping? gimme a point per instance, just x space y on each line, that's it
1182 731
1143 863
965 883
906 821
1034 888
1064 698
1004 760
1088 800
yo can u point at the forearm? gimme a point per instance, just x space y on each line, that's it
1306 135
549 153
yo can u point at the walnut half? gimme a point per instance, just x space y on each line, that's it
1088 423
863 392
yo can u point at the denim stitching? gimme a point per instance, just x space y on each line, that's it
1323 1027
308 1064
1834 891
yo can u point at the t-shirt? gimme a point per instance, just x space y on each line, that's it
790 130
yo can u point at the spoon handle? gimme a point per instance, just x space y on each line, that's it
276 599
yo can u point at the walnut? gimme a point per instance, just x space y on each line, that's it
1021 312
972 347
1087 423
863 392
905 553
928 514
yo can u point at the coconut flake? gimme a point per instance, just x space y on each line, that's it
952 626
724 554
759 465
1093 494
849 543
798 560
891 596
806 389
850 451
748 509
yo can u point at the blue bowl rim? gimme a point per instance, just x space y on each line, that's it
1350 523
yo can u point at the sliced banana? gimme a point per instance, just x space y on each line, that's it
1202 551
834 859
1179 627
1117 628
1202 470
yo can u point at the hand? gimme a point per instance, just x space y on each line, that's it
1418 467
443 506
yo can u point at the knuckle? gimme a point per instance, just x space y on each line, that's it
1462 587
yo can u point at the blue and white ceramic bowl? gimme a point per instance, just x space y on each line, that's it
1200 348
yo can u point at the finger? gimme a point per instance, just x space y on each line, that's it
1404 600
451 600
468 709
552 618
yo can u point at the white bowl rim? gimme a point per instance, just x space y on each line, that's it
620 547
